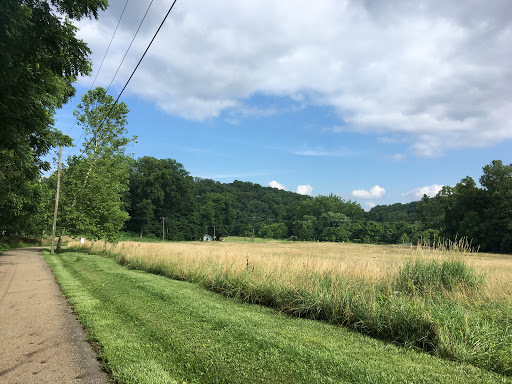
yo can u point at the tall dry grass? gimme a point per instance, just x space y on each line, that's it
294 263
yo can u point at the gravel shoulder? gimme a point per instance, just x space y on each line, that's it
41 341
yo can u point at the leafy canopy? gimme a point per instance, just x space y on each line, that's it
40 59
94 184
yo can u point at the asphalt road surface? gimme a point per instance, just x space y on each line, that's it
40 339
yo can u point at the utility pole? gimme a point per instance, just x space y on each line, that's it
252 238
163 228
54 226
214 238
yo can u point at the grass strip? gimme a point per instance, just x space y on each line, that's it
151 329
7 243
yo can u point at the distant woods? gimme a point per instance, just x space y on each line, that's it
192 207
160 199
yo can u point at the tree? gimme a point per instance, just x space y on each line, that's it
279 230
329 234
305 228
40 59
429 211
332 203
161 188
219 210
404 239
374 231
463 211
497 181
95 182
265 231
92 201
331 219
22 195
393 213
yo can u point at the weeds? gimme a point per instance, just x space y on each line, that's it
434 276
460 245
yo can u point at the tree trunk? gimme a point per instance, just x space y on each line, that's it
59 242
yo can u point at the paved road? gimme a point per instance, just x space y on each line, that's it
40 340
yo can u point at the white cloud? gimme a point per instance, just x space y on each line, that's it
305 190
320 152
369 205
275 184
398 157
417 193
432 74
375 193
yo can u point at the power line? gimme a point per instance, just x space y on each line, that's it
104 56
136 32
137 66
119 22
97 73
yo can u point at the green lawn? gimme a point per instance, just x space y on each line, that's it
248 239
151 329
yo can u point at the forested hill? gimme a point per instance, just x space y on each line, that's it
393 213
165 201
193 206
163 195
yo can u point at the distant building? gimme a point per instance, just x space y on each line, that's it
207 238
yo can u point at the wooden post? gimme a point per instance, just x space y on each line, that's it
163 228
54 226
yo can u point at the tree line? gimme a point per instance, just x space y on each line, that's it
192 207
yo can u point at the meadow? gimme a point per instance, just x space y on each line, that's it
445 300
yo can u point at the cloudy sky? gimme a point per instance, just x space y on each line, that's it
375 101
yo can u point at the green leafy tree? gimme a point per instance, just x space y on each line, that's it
393 213
255 204
497 181
305 228
331 219
279 230
265 231
95 209
329 234
357 231
40 59
374 231
404 239
219 210
430 212
332 203
464 207
95 182
162 188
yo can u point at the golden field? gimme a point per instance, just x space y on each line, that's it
292 263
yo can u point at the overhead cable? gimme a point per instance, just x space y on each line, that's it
134 36
137 66
104 56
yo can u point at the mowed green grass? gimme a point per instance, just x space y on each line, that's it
151 329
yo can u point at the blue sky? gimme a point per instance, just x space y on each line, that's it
373 102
